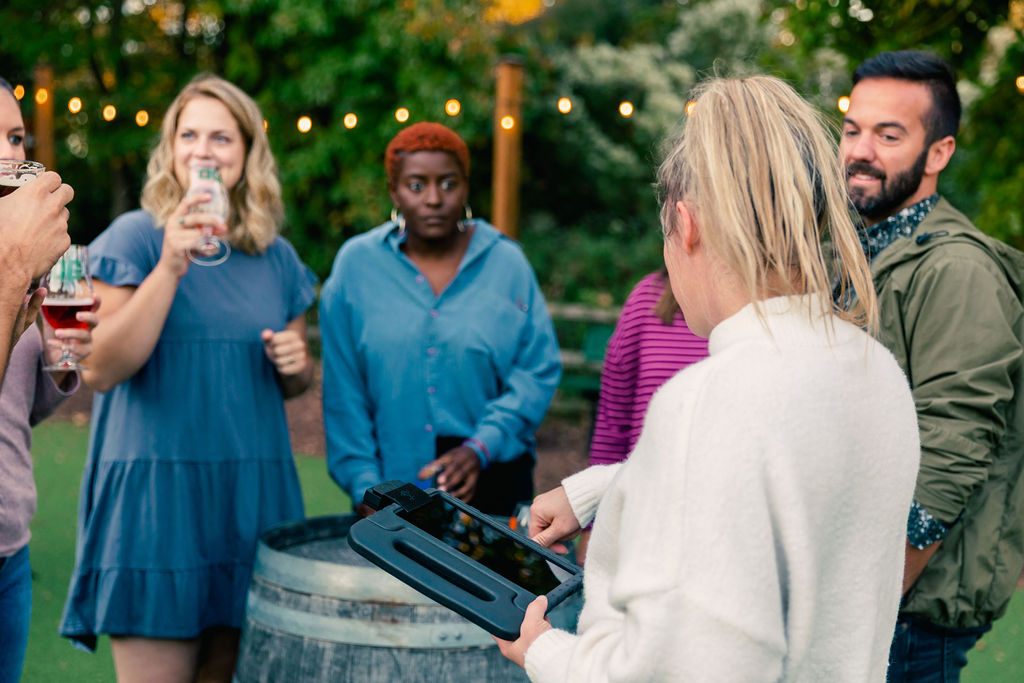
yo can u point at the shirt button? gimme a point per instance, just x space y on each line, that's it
429 428
434 313
431 390
420 278
431 351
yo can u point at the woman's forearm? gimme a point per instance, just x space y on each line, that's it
131 320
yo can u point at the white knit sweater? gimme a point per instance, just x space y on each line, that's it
756 533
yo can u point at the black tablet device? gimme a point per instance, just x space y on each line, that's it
460 557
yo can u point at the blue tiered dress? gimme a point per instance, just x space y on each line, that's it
189 459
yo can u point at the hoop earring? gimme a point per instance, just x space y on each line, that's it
399 219
464 223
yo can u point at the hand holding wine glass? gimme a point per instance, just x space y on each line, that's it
33 215
68 293
79 339
17 172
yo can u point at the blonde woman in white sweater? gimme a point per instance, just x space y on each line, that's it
756 532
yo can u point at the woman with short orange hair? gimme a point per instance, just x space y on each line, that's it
439 357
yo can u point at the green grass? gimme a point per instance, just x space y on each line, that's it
59 453
999 656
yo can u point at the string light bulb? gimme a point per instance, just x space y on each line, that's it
109 112
689 107
401 115
626 109
42 95
1020 83
141 118
843 104
304 124
507 122
350 120
75 105
452 107
564 105
19 92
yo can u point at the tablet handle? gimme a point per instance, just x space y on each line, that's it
443 571
406 496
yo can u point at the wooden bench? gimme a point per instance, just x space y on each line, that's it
581 367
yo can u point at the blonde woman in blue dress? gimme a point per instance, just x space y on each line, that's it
189 456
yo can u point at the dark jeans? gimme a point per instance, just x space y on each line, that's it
15 609
504 484
926 653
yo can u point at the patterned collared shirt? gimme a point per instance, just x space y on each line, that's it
922 528
900 224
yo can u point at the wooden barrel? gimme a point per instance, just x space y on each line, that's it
318 611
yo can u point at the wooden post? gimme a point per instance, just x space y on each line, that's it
508 145
43 96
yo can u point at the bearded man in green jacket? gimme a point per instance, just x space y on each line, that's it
949 299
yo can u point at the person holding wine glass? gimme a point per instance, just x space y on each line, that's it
189 456
33 226
28 394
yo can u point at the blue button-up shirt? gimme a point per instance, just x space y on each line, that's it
403 366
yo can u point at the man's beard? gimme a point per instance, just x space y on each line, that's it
894 191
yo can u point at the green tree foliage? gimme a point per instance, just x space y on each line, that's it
318 58
328 59
132 55
995 165
589 214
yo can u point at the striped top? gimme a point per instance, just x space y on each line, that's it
643 353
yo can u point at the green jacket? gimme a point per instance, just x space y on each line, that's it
950 308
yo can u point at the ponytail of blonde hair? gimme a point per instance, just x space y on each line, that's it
757 163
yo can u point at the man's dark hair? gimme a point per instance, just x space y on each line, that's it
926 68
4 85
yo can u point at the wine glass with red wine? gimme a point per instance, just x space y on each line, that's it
68 292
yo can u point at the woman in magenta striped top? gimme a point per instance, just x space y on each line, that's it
650 344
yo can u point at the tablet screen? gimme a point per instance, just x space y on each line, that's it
500 553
